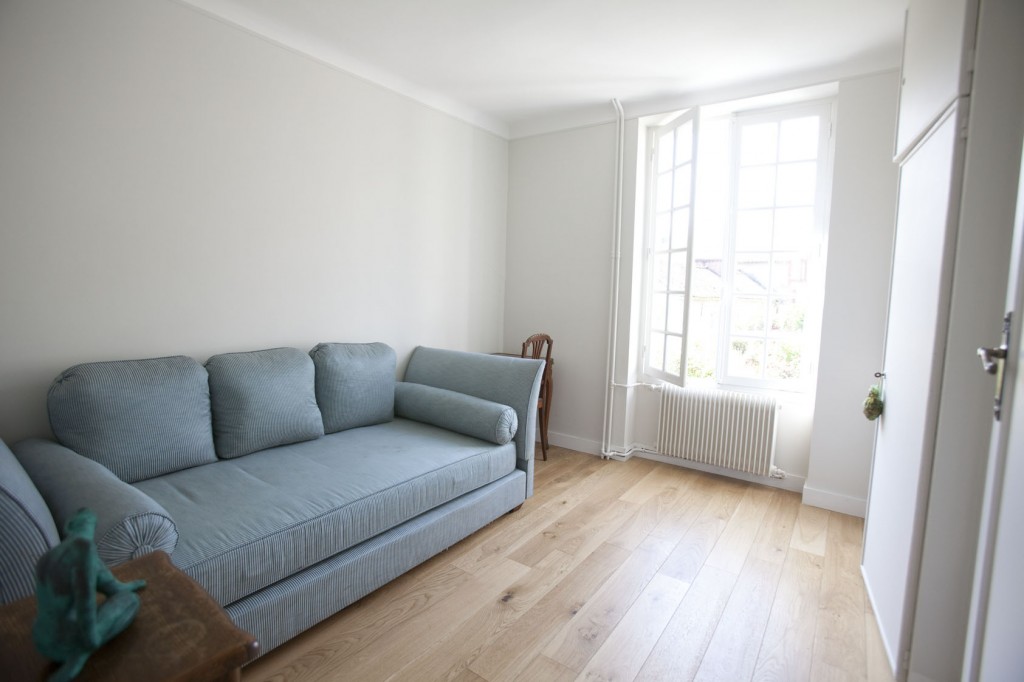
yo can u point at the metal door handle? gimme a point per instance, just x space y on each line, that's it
990 358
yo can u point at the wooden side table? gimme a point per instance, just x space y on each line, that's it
180 633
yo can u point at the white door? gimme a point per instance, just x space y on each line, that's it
930 179
994 650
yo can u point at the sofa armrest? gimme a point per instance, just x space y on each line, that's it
129 523
506 380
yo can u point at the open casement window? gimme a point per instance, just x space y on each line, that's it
735 253
670 241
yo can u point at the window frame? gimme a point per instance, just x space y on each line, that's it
824 108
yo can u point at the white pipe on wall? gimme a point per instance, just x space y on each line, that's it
613 313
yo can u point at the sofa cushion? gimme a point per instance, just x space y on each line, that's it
355 384
138 418
483 419
282 510
262 399
27 530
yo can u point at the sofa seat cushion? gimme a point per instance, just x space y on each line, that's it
246 523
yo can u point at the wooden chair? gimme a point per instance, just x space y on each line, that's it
538 347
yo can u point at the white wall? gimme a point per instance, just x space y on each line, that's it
170 184
559 262
856 292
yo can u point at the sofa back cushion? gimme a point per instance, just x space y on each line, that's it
138 418
262 399
27 530
355 384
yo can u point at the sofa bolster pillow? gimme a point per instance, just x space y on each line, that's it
355 384
262 399
26 529
138 418
458 412
129 523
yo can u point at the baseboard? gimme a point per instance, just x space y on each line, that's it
826 499
563 440
790 482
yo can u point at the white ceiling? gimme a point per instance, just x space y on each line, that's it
521 66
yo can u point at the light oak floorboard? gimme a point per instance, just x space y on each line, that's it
634 570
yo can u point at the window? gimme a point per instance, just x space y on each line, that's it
736 219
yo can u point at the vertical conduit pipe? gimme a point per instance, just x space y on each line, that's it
613 313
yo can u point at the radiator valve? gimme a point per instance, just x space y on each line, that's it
776 472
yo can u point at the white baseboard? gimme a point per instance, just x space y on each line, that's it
790 482
590 447
826 499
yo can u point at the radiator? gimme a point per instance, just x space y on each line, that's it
720 428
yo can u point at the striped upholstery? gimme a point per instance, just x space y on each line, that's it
458 412
27 530
138 418
510 381
283 610
262 399
355 384
282 510
128 522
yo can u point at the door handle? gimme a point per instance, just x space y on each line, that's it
990 358
993 360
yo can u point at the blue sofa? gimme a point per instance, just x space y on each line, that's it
288 484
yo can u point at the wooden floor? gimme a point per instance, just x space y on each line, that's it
616 571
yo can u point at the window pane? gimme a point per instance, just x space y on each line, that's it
707 278
677 275
659 276
658 302
751 273
798 139
676 302
796 184
684 143
674 355
746 357
657 351
664 190
789 273
749 313
787 315
702 341
758 143
664 153
754 230
794 229
680 228
682 186
662 231
784 360
756 187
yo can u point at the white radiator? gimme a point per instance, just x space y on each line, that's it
721 428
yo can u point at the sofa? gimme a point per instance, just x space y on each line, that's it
288 484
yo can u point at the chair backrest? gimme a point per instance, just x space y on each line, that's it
538 346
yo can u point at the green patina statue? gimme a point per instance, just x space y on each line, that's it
71 624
